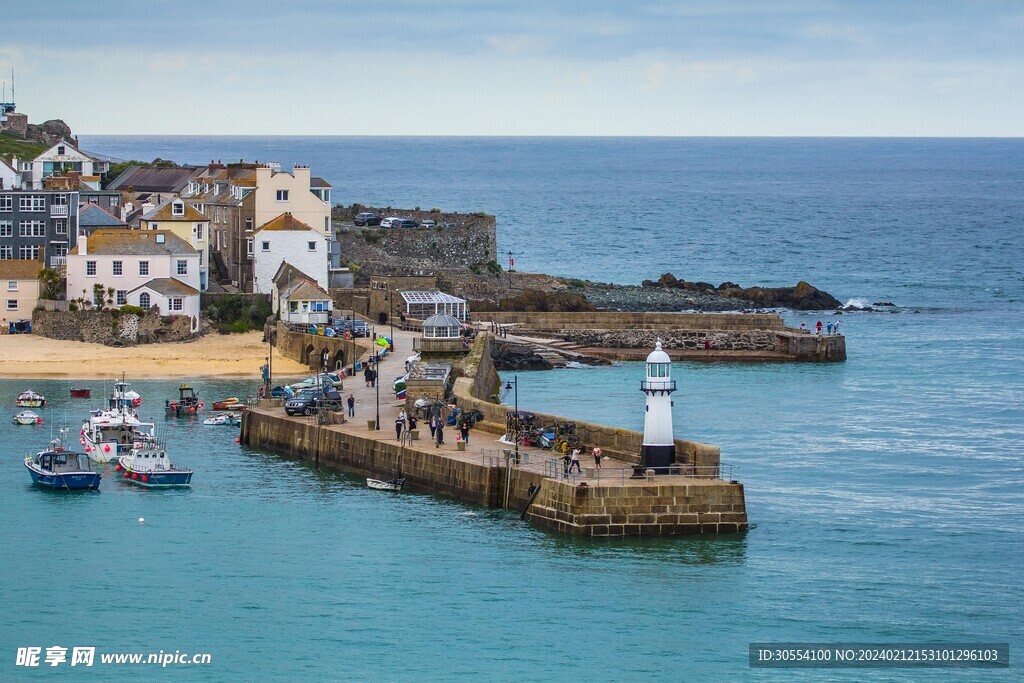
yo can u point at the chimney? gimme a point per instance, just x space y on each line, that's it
83 244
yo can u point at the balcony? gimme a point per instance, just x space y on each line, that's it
58 210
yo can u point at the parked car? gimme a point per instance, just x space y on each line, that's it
308 401
360 329
404 223
389 222
366 218
428 224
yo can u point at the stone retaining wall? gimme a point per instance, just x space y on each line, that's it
112 327
607 320
731 340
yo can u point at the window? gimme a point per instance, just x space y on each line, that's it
265 246
6 202
293 306
154 226
177 209
113 200
117 268
248 246
144 300
32 202
60 150
12 285
248 226
199 231
327 223
6 229
60 226
143 267
60 200
312 246
32 229
122 297
174 304
182 267
30 252
6 252
90 268
12 304
92 200
282 195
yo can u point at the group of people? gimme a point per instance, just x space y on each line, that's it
409 421
370 375
572 460
832 328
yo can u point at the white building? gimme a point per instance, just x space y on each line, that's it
10 179
286 237
304 302
157 264
62 158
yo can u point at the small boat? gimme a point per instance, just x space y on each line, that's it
390 485
188 402
222 419
81 392
27 417
30 399
109 433
123 397
229 404
148 465
58 468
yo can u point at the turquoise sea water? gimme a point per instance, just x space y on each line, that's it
886 494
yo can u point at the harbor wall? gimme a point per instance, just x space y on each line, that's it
479 383
618 320
658 506
310 349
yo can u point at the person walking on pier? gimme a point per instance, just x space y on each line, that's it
574 461
819 328
439 434
366 376
835 329
597 457
829 328
351 405
399 425
433 426
464 431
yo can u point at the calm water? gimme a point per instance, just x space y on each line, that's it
886 493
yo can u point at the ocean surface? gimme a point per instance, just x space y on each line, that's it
886 494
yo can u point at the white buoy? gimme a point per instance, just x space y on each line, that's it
141 520
659 448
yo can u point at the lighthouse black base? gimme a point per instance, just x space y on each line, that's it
658 457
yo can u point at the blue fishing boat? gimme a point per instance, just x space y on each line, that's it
58 468
148 465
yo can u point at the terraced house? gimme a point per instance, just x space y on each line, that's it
239 199
38 224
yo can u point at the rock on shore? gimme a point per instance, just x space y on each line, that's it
802 297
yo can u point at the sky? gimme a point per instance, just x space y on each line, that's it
526 67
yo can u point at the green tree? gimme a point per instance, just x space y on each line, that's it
51 283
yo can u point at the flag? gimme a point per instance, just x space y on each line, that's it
400 395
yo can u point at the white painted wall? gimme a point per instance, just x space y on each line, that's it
290 245
301 203
159 266
189 304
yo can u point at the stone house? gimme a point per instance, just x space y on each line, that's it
21 287
138 262
240 198
286 237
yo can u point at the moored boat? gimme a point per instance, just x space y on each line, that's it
188 402
147 465
81 392
30 399
108 433
58 468
27 417
390 485
229 404
123 397
223 419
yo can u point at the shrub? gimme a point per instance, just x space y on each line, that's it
136 310
371 236
493 267
72 306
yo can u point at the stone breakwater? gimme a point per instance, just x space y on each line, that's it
729 340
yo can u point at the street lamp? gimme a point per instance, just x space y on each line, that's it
510 264
510 384
376 375
391 318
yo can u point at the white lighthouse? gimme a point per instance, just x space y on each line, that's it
659 448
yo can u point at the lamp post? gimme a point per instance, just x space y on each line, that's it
510 264
376 377
510 384
391 318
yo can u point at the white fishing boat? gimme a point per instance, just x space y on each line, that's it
30 399
27 417
108 433
390 485
222 419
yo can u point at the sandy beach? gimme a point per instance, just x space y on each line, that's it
215 355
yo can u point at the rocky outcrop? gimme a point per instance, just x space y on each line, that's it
802 297
514 356
535 300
